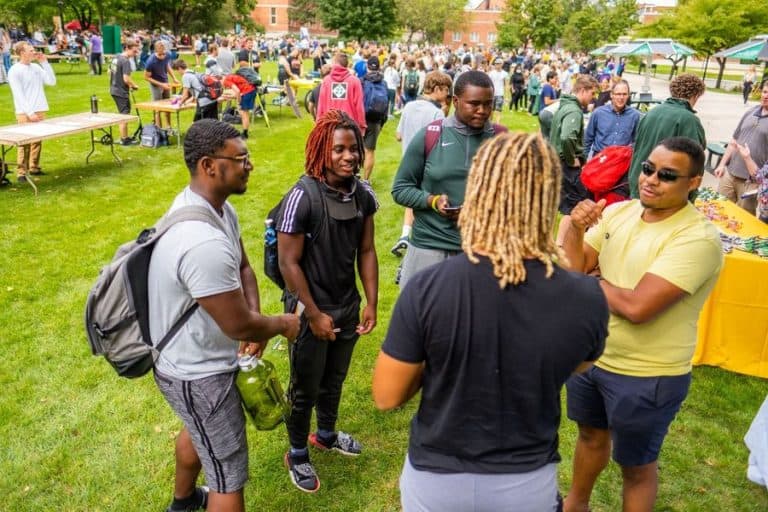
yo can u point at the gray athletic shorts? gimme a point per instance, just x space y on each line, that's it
424 491
417 259
211 411
158 93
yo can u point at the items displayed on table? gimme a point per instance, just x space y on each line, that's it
707 203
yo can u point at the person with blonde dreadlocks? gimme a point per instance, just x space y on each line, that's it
478 335
318 266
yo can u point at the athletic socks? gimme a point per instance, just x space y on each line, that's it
245 134
299 453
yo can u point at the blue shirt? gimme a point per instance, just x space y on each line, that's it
547 92
158 67
361 68
610 128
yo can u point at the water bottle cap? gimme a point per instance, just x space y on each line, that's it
248 363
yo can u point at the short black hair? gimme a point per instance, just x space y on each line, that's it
472 77
551 75
691 148
203 138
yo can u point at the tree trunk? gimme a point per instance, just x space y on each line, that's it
721 62
706 66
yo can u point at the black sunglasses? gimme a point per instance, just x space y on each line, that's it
666 175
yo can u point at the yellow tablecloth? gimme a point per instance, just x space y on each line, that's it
733 325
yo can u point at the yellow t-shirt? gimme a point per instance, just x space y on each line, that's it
683 249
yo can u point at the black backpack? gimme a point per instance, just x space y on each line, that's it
317 212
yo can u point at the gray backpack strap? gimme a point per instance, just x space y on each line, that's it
188 213
184 214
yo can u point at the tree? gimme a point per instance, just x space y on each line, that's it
359 19
431 18
598 23
711 25
303 12
538 21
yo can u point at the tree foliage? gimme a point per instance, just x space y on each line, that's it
430 18
359 19
303 12
598 23
538 21
710 25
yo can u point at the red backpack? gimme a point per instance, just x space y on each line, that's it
605 175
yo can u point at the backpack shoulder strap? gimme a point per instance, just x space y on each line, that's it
316 204
431 136
499 128
188 213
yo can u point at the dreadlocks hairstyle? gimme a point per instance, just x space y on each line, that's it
320 142
510 205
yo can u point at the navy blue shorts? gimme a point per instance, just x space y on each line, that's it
637 410
247 100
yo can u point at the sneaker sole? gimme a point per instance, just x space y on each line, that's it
293 480
320 446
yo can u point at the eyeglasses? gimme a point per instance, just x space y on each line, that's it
243 160
665 175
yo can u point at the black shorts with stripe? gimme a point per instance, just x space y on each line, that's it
211 411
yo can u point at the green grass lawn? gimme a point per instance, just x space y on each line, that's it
75 437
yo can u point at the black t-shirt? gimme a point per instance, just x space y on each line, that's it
251 57
495 361
329 260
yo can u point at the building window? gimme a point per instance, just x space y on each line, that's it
491 37
474 37
457 36
273 15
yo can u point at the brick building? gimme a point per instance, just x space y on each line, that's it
273 16
479 28
650 10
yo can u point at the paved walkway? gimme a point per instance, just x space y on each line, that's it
719 112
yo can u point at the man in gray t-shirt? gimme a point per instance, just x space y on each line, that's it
192 90
225 59
121 83
752 131
197 263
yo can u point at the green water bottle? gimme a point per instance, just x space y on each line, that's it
262 395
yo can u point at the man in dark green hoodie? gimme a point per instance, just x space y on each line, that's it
433 172
567 136
673 118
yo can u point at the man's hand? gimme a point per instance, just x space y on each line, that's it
293 325
41 58
322 326
165 87
586 214
33 118
440 206
719 171
577 163
252 348
368 321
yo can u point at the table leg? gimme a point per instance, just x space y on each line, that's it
93 149
263 109
178 128
112 147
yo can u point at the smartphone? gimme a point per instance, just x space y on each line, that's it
450 209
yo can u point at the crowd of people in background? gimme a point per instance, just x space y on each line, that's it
480 212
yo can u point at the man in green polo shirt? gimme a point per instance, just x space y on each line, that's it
673 118
432 182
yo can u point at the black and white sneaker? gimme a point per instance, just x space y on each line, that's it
400 246
198 501
344 443
302 473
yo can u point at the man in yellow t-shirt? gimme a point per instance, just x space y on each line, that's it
659 259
